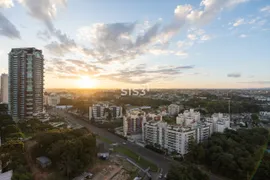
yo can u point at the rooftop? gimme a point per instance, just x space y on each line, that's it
6 176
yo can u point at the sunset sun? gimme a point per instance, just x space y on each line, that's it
87 82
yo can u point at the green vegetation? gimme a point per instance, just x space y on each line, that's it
108 125
222 106
33 126
233 154
169 120
106 140
255 118
188 172
139 101
264 168
12 150
71 151
136 158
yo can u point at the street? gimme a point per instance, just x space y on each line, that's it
147 154
158 159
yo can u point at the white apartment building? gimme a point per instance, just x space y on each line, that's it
116 111
188 117
4 88
174 137
132 122
264 113
219 122
97 112
52 100
173 109
188 128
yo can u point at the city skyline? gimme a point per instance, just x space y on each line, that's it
177 44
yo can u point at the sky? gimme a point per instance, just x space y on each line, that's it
133 44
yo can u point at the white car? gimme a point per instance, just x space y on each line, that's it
165 176
124 143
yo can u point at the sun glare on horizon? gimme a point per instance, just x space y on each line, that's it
86 82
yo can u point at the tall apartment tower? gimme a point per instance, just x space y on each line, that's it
25 83
4 88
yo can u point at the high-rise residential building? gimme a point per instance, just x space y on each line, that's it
133 120
188 117
97 112
173 109
219 122
26 80
189 127
51 99
116 111
4 88
174 138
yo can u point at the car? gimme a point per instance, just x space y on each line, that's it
124 143
160 176
165 176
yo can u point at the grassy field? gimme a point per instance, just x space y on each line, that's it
132 155
136 158
104 139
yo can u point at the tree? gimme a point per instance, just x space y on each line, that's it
255 118
187 172
233 154
71 151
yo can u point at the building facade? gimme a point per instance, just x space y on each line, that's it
132 122
188 117
174 138
134 119
97 112
26 82
219 122
189 128
4 88
51 100
116 111
173 109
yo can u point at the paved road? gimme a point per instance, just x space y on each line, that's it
147 154
158 159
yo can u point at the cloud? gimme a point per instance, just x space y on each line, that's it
239 22
8 29
265 9
125 41
210 9
257 82
45 11
6 4
243 36
140 74
71 68
205 37
234 75
192 37
181 53
121 42
44 35
185 44
135 74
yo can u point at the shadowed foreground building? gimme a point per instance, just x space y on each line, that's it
25 82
